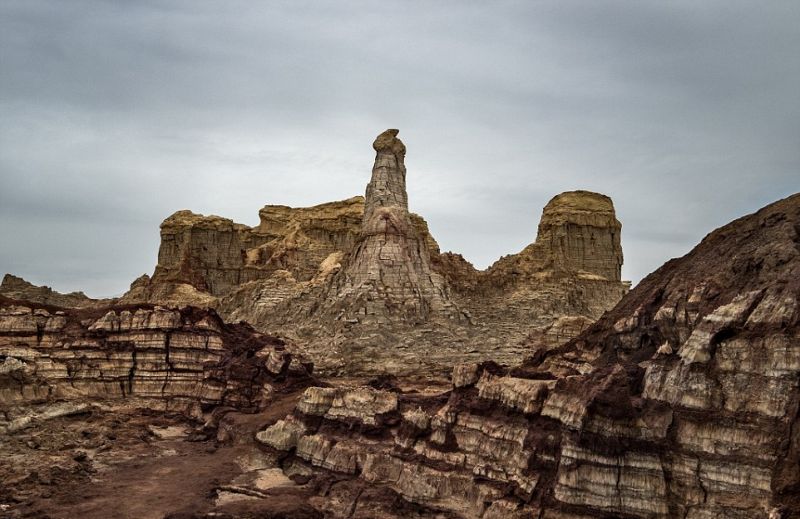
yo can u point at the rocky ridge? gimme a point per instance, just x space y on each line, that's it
14 287
683 401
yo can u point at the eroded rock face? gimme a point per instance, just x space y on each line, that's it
362 286
181 360
580 232
202 258
683 401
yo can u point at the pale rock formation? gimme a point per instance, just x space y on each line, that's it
388 275
580 232
202 258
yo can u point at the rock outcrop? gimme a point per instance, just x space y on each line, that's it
580 233
683 401
184 360
14 287
362 286
202 258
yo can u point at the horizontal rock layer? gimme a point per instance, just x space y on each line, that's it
176 360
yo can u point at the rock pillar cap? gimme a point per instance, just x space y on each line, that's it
388 141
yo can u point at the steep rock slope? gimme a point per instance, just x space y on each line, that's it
682 401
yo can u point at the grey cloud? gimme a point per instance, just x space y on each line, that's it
114 114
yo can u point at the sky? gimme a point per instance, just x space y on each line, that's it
115 114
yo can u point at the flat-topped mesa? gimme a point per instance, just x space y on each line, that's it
389 272
202 251
582 234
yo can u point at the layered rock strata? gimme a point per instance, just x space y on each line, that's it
184 360
683 401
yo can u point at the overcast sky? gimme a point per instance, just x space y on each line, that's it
115 114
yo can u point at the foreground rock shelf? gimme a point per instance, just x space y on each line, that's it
178 360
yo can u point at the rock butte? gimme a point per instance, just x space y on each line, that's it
681 400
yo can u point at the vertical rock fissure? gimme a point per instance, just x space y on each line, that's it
170 367
132 371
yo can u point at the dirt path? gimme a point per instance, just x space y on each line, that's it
161 474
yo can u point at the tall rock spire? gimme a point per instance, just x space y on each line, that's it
387 188
388 276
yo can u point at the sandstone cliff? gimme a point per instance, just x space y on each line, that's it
204 257
683 401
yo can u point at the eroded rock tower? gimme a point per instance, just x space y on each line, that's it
389 275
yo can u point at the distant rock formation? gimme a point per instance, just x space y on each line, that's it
202 258
682 401
14 287
362 285
580 231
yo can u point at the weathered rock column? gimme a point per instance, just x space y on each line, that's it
388 276
387 188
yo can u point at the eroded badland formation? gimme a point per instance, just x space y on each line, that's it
362 287
375 376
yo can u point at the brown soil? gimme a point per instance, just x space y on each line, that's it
131 464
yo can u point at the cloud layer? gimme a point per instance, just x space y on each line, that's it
113 115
